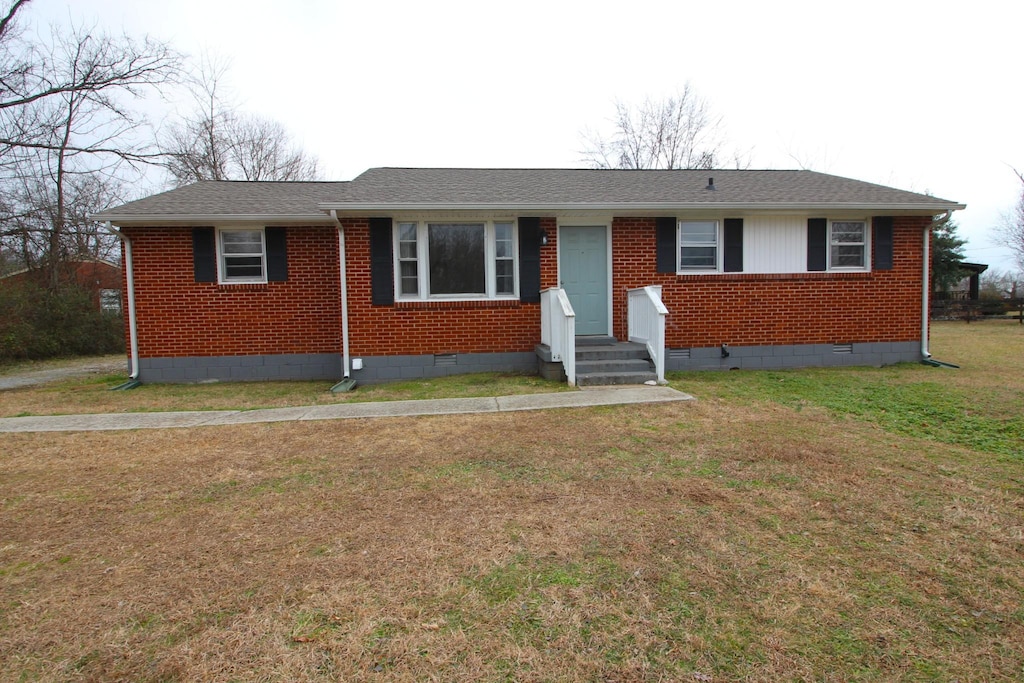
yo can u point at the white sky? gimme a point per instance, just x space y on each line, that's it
923 96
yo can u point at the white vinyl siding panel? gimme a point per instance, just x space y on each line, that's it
775 244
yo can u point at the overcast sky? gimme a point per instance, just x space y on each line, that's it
923 96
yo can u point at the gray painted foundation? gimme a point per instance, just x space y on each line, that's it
793 356
327 366
377 369
193 369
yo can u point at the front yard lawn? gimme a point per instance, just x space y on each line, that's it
813 525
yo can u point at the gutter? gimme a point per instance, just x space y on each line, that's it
346 360
361 208
190 219
129 271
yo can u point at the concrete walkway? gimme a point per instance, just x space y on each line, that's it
600 396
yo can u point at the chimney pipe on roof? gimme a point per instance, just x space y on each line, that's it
711 184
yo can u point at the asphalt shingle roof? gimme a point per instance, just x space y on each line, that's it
394 188
576 186
232 198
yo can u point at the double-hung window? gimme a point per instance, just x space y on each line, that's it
848 245
242 255
698 246
455 259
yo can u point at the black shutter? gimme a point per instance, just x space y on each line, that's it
733 259
667 245
817 244
277 254
881 243
529 260
382 274
204 254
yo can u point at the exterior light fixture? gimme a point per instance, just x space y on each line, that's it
543 238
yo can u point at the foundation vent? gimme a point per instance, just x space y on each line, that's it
444 359
679 354
842 348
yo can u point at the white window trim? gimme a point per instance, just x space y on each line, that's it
423 263
866 244
222 277
719 248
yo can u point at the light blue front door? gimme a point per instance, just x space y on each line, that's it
583 269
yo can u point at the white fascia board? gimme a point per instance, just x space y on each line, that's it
361 209
215 219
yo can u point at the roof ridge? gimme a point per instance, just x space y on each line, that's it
597 170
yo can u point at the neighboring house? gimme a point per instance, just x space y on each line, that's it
968 288
405 273
101 278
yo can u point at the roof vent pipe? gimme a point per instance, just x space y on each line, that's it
711 184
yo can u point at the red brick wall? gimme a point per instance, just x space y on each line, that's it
751 309
180 317
412 328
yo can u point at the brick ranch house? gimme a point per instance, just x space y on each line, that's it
411 272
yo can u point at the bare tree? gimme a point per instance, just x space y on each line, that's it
1001 284
217 142
83 68
1011 232
67 136
677 132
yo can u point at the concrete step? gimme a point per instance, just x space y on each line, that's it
616 351
602 361
610 378
613 365
595 340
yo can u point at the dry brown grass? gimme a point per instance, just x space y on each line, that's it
706 541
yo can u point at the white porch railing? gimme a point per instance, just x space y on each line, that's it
558 329
647 324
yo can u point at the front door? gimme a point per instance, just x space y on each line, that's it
583 267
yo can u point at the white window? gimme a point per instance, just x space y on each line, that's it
848 245
408 265
455 259
242 255
698 246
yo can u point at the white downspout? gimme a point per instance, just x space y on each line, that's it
346 361
129 271
926 281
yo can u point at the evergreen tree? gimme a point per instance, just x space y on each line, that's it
947 253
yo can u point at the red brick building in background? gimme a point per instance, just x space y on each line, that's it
404 273
101 278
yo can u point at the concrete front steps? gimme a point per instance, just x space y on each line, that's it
604 361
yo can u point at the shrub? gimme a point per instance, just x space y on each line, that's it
36 322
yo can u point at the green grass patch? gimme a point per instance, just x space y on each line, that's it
909 400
